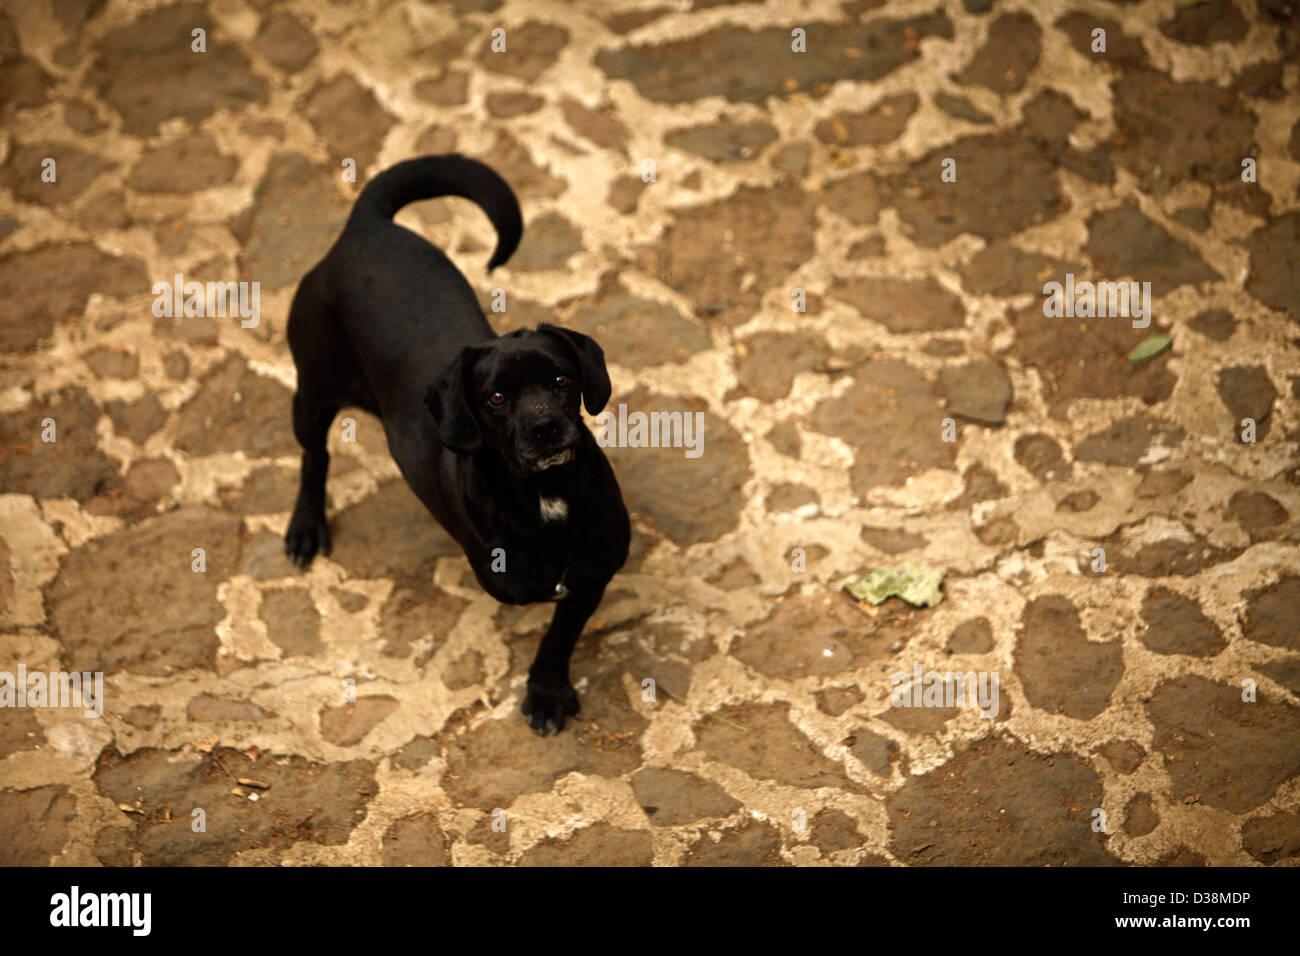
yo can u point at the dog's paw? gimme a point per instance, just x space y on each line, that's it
306 538
548 705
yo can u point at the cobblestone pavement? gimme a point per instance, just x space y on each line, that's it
772 739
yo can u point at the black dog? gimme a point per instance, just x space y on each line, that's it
487 431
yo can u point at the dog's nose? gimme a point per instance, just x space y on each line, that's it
545 427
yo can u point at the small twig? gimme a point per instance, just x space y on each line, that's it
217 761
729 721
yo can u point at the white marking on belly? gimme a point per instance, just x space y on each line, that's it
554 509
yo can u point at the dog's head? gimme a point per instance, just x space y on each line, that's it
519 396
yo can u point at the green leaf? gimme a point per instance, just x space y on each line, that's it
917 586
1150 347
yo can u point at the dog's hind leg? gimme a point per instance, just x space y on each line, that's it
324 360
308 531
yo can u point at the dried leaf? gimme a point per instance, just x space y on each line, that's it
1150 347
917 586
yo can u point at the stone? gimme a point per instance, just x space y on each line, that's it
979 391
1061 670
129 60
189 164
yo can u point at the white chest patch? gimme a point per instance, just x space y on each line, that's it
554 509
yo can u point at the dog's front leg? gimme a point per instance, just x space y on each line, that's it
551 698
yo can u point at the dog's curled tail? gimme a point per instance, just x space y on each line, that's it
429 177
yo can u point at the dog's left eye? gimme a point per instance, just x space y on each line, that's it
562 381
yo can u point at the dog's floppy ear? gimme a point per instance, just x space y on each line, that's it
591 359
449 406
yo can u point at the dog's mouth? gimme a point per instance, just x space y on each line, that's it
552 461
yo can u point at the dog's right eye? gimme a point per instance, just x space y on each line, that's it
496 398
